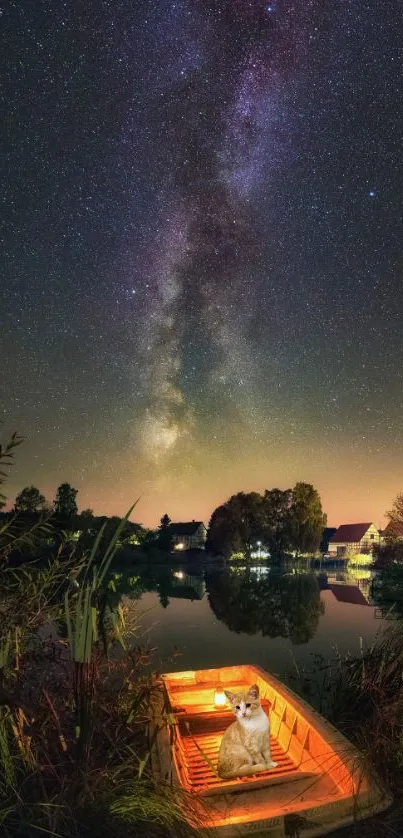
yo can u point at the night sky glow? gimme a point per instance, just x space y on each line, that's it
202 251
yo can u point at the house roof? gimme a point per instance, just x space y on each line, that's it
348 593
186 528
393 528
349 533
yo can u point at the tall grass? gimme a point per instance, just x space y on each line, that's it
363 697
74 755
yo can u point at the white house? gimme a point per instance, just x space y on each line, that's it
190 535
353 538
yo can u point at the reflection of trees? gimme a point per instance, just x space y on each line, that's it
145 579
278 605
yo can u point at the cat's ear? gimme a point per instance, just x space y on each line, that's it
231 696
254 692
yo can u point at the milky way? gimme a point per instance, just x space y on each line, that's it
226 124
201 230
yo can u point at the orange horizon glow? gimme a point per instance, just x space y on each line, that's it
343 504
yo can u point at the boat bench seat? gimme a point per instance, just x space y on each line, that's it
197 741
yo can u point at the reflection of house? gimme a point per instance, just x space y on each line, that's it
187 586
353 538
348 593
188 536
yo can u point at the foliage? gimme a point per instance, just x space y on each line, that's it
30 500
395 515
279 519
65 504
18 532
386 555
130 534
164 533
363 697
72 717
7 454
307 518
277 528
359 559
387 587
237 525
74 705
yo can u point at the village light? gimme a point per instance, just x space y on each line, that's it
220 699
179 546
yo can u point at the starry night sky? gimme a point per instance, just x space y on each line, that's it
201 236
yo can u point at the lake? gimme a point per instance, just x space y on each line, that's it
278 620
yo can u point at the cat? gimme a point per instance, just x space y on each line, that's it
245 746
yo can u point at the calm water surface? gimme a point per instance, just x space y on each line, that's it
277 620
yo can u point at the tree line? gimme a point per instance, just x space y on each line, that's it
280 520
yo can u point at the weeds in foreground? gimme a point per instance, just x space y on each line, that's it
363 698
73 710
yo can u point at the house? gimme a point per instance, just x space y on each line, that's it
352 539
326 536
393 531
188 536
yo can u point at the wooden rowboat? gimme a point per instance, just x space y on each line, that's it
319 785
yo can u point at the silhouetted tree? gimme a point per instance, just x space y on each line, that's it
307 518
237 525
277 521
164 533
388 554
30 500
281 519
395 515
65 503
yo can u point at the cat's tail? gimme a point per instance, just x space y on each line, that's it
244 771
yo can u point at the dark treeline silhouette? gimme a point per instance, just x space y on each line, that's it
281 520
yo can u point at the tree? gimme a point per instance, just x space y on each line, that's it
237 525
395 515
307 518
30 500
7 454
164 533
277 516
65 503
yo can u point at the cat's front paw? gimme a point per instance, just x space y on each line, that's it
271 764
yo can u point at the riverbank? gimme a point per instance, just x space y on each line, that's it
74 706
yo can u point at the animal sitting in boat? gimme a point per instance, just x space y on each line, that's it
245 746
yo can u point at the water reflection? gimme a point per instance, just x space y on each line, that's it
274 602
235 615
165 581
266 600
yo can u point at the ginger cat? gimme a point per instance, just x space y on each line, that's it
245 746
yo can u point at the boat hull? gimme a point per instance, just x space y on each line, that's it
320 784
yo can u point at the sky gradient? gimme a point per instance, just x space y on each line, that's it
202 236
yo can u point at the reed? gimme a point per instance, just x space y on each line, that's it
363 697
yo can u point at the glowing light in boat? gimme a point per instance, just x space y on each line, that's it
220 699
